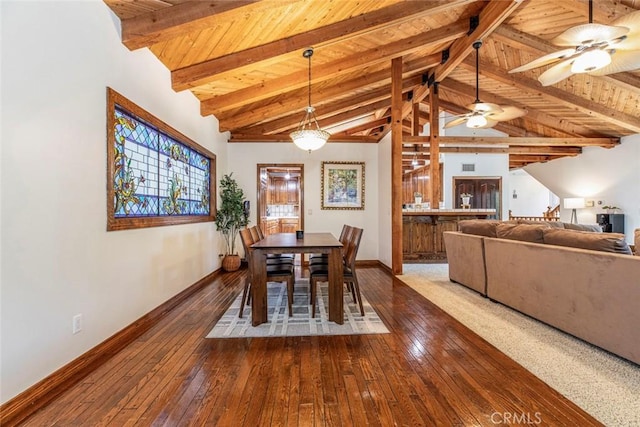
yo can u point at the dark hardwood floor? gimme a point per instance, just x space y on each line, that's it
430 370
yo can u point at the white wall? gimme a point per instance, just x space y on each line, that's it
532 199
384 205
243 158
57 258
608 175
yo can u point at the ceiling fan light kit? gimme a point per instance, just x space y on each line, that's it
484 115
597 50
309 136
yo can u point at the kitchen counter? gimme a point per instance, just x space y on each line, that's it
449 212
422 230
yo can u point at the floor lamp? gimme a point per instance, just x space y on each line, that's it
574 203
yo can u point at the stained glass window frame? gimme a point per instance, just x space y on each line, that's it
165 199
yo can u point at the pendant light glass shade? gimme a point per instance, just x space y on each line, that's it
309 136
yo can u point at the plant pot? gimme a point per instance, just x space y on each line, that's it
231 262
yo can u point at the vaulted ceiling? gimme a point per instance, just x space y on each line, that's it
243 61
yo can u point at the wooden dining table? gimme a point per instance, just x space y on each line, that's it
286 243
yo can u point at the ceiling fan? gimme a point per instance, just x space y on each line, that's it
596 49
485 114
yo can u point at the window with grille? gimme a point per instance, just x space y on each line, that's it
155 175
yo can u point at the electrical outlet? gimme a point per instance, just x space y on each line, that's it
77 323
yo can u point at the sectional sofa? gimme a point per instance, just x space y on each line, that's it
584 283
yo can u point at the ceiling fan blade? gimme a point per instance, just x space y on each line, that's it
484 107
509 112
545 60
490 123
456 122
631 21
621 60
556 73
589 34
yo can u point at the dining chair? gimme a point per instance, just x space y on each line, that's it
320 272
278 270
324 258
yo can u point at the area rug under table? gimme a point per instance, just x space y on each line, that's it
301 323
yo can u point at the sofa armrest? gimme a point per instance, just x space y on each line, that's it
465 255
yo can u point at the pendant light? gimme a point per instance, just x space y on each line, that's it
309 136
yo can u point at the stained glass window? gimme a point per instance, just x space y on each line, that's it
155 172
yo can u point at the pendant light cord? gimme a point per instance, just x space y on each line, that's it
310 79
476 46
590 11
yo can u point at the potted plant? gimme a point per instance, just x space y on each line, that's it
611 209
418 197
230 218
466 200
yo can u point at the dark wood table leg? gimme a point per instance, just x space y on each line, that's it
259 288
336 282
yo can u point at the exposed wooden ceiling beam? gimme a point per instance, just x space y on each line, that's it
545 150
558 96
204 72
531 141
286 122
293 108
518 141
491 16
170 22
422 151
220 104
365 126
284 137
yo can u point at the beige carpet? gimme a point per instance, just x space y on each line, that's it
604 385
301 323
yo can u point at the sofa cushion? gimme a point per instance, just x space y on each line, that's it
555 224
636 241
479 227
525 232
594 228
604 242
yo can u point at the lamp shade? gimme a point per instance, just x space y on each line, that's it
574 203
591 61
477 121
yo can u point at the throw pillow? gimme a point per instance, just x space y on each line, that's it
604 242
524 232
479 227
636 240
595 228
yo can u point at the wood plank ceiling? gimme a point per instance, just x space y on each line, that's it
243 61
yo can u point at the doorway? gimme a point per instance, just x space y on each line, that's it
485 193
280 197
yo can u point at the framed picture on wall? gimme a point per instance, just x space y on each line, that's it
342 185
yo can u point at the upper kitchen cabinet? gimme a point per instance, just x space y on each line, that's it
283 191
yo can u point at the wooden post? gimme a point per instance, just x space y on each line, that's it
434 147
396 165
